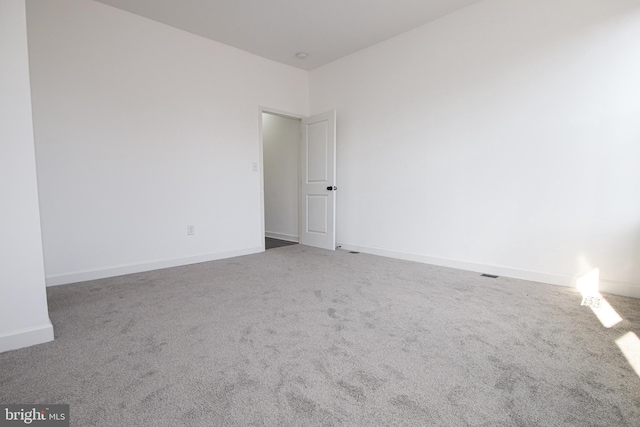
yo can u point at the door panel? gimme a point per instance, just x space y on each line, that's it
317 214
317 151
317 171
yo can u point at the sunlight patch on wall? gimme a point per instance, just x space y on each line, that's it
589 284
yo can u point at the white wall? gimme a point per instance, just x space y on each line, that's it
24 319
281 138
142 129
503 138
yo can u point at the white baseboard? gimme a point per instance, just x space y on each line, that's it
607 286
120 270
280 236
19 338
620 288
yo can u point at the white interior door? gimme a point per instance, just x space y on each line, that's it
318 181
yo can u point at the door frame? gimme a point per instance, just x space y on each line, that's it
287 115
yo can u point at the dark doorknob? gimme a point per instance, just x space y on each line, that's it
332 188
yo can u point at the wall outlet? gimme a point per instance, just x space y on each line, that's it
191 230
254 166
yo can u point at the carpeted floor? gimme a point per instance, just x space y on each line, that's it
270 243
297 336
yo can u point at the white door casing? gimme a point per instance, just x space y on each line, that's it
318 181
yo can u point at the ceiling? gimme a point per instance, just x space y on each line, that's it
278 29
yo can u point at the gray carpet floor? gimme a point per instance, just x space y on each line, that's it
270 243
297 336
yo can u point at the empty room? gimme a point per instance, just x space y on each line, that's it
320 213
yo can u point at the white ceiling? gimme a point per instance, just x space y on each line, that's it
277 29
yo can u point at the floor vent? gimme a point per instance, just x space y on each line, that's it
353 252
593 302
489 275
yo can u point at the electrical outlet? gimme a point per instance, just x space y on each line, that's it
191 230
255 166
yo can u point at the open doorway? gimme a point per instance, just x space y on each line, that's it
280 145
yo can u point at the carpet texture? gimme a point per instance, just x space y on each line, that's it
270 243
298 336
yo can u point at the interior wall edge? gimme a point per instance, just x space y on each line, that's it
26 337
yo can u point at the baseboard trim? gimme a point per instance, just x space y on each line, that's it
120 270
26 337
607 286
280 236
